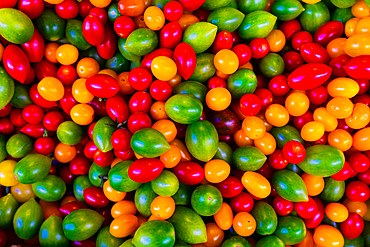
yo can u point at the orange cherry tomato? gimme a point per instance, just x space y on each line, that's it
363 26
297 104
361 139
350 27
123 225
131 7
276 39
307 241
139 21
163 68
154 18
124 85
222 75
22 192
67 54
253 127
226 61
50 88
163 207
261 115
323 116
340 139
64 153
6 173
343 87
356 207
82 114
100 3
277 115
328 236
247 66
185 155
312 131
267 144
187 20
157 110
154 217
340 107
167 128
112 194
172 157
216 170
256 184
110 72
50 52
360 9
241 139
215 235
244 224
123 207
315 185
87 67
224 217
335 47
115 162
336 212
360 117
54 1
80 92
357 44
218 99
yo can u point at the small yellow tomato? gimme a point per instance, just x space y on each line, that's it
343 87
297 104
340 107
312 131
350 27
253 127
112 194
163 207
325 235
123 225
256 184
167 128
218 99
277 115
216 170
123 207
267 144
154 18
6 173
226 61
100 3
340 139
360 117
241 139
80 92
67 54
163 68
82 114
311 1
360 9
22 192
322 115
363 26
357 45
50 88
87 67
244 224
276 39
335 47
336 212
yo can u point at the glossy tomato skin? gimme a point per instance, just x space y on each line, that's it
79 165
140 102
101 13
102 86
338 63
319 216
289 28
39 100
147 61
16 63
314 53
145 169
282 207
121 139
93 30
357 191
223 40
170 35
117 109
292 60
123 26
138 120
344 173
35 47
110 43
16 117
44 145
230 187
189 173
52 120
185 58
68 9
95 197
353 226
328 31
32 8
294 152
242 203
306 210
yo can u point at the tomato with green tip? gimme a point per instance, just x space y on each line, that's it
141 42
126 53
290 186
247 6
95 171
206 200
285 134
81 183
102 134
286 10
21 97
314 16
149 143
8 207
236 241
69 133
50 25
272 65
265 217
16 27
333 190
270 241
243 81
119 179
51 233
155 233
201 139
166 184
197 89
82 224
226 19
248 158
224 152
74 34
189 226
291 230
105 239
51 188
200 36
257 24
28 219
32 168
19 145
144 196
183 195
184 108
204 69
7 87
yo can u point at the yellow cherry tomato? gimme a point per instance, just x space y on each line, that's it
356 207
112 194
261 115
363 26
54 1
253 127
360 117
361 140
360 9
67 54
267 144
87 67
367 214
350 27
6 173
276 39
100 3
340 107
154 18
297 104
335 47
157 110
340 139
336 212
82 114
357 44
244 224
172 157
123 225
343 87
50 52
167 128
256 184
277 115
241 139
328 236
322 115
163 68
216 170
311 1
80 92
226 61
312 131
22 192
224 217
218 99
123 207
163 207
315 185
215 235
50 88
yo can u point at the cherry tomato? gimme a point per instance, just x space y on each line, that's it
357 191
173 11
259 47
224 217
336 212
189 173
353 226
244 224
325 235
162 207
307 209
294 152
44 145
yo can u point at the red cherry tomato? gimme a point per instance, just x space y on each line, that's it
140 78
32 8
314 53
103 159
357 191
160 90
140 101
145 169
121 139
6 110
292 60
294 152
44 145
84 8
68 9
6 126
250 104
289 28
138 120
93 30
307 209
33 114
282 207
223 40
242 203
300 38
173 11
314 221
328 31
259 47
189 172
230 187
101 13
110 43
353 226
52 120
117 109
123 26
34 48
170 35
95 197
359 162
278 85
277 160
243 52
337 64
79 165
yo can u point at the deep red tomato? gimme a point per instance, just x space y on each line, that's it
44 68
79 165
138 121
8 3
16 117
117 109
250 104
243 52
140 78
318 95
145 169
307 209
140 101
99 107
185 58
93 30
103 159
35 47
5 111
52 120
364 85
67 74
314 53
125 155
68 9
110 43
216 82
32 8
289 28
342 125
242 203
319 216
6 126
147 61
95 197
160 90
282 207
123 26
359 162
292 60
353 226
173 11
294 152
90 149
300 38
223 40
39 100
84 8
16 63
170 35
33 114
278 85
72 206
364 177
259 47
102 85
189 172
191 5
230 187
337 64
44 145
328 31
66 175
277 160
265 96
3 238
101 13
121 139
266 170
357 191
90 130
33 130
